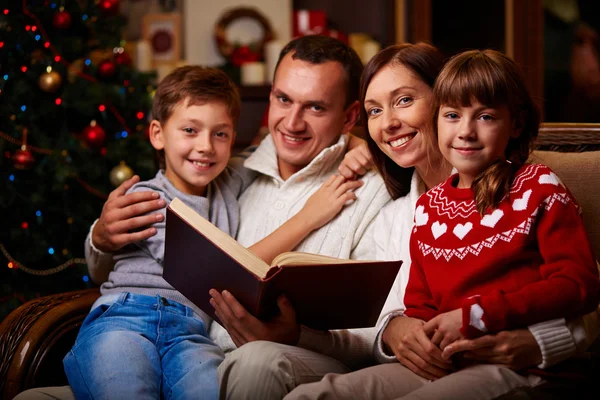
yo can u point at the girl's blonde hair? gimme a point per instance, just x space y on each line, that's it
492 79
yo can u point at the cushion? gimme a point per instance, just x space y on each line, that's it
580 172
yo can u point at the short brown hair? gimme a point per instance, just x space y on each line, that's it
492 79
319 49
197 85
425 62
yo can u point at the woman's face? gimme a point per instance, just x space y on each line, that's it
398 114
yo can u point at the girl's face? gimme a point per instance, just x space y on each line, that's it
398 114
472 138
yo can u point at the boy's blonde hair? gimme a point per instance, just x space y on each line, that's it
196 85
492 79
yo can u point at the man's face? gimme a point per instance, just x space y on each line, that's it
306 111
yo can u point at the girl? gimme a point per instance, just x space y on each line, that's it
511 232
394 86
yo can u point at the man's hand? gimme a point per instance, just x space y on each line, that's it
406 338
516 349
356 162
122 216
444 328
243 327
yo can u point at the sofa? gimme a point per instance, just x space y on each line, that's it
35 337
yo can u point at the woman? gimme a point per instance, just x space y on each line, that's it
396 93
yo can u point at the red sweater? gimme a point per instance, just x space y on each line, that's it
528 261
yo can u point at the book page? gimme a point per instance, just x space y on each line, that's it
229 245
301 258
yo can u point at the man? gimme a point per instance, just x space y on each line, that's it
313 102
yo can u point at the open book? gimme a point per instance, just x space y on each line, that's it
326 292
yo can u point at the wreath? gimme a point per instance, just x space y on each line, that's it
239 54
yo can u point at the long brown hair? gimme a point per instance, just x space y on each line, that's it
425 62
492 79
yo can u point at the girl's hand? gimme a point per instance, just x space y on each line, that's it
516 349
356 162
327 202
444 328
406 338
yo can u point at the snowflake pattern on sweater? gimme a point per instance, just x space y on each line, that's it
527 261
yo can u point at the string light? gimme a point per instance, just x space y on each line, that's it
38 37
85 278
23 107
58 101
47 44
48 69
6 11
102 107
57 58
10 265
15 264
34 28
11 178
24 68
50 250
140 115
24 225
38 213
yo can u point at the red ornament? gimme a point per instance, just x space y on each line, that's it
61 20
107 69
243 54
94 135
23 159
109 7
123 59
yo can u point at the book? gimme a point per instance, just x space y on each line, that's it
326 292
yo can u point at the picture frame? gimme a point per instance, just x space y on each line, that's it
163 33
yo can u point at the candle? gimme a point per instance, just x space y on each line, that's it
143 56
272 50
253 73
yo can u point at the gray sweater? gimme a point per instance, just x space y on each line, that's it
139 266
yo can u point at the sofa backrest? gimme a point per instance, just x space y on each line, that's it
573 152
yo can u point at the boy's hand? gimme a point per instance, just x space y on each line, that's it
356 162
243 327
327 202
444 328
123 214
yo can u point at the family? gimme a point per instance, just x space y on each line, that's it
498 281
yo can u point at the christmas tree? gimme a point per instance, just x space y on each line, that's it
73 125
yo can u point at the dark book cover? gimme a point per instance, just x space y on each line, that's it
325 296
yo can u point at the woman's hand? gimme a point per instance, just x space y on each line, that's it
356 162
243 327
444 328
327 202
516 349
123 215
406 338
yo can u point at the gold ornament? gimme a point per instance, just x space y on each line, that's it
50 81
120 174
75 69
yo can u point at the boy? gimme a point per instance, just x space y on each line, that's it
142 338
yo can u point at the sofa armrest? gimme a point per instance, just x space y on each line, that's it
35 337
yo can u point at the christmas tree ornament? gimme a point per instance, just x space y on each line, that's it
109 7
50 81
61 20
22 158
107 69
123 58
94 135
120 174
75 70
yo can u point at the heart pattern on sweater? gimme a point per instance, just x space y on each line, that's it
549 179
438 229
421 217
461 230
521 204
492 219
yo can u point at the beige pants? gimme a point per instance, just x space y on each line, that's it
266 370
394 381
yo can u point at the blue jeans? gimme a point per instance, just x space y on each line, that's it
143 347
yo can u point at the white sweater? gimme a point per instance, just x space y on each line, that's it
557 339
270 201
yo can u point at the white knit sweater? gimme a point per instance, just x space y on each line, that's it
557 339
270 201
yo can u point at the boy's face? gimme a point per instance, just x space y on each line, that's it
197 141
